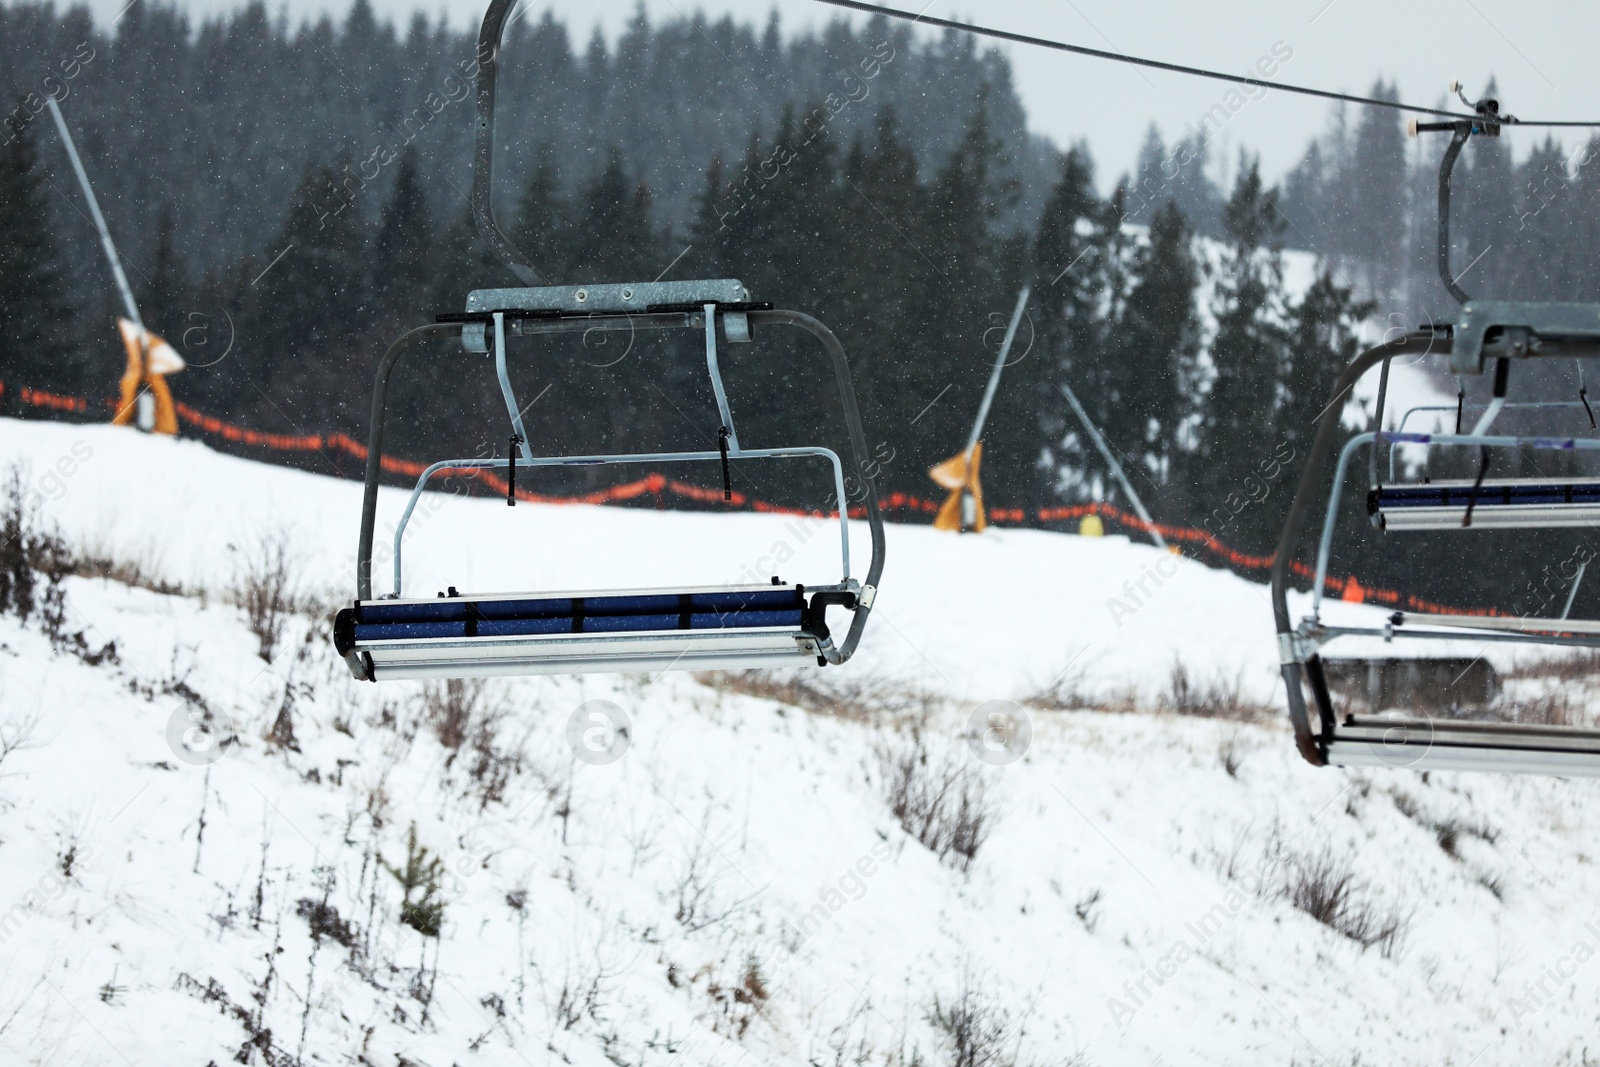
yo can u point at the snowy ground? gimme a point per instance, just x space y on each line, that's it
663 909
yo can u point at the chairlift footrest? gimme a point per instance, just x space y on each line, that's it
1432 744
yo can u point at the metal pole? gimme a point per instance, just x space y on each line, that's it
994 375
99 219
1111 460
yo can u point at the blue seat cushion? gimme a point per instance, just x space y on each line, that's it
456 617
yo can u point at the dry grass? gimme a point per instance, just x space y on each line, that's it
1580 665
1219 697
1544 709
856 699
137 574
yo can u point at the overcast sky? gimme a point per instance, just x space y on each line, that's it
1541 51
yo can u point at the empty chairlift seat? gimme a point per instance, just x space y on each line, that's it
1497 334
645 630
706 627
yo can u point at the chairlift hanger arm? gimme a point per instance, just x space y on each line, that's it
488 61
380 407
865 467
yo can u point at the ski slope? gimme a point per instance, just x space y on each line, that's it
980 617
734 888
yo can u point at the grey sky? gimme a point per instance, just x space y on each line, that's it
1540 51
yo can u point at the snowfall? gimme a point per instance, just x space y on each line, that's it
202 847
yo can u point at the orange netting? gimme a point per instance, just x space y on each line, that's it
658 486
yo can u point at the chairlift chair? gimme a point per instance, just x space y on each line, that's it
1485 332
616 630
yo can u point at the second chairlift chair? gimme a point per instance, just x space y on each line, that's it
698 628
1502 332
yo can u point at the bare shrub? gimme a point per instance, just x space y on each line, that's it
34 562
1231 752
1087 910
740 1001
944 803
449 708
697 903
263 588
585 983
1447 831
16 735
1325 887
138 573
1218 697
467 718
847 1043
258 1037
18 547
975 1028
280 735
326 922
493 764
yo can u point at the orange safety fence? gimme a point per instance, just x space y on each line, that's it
658 485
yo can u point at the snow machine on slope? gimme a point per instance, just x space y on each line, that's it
560 632
1504 333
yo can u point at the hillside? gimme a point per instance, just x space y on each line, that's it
1131 897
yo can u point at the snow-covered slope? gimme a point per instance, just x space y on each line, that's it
981 618
735 887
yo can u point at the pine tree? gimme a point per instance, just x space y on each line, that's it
1239 424
400 270
613 237
308 310
1377 183
462 262
1070 253
34 315
709 232
1321 342
968 196
165 297
885 278
1157 343
543 233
